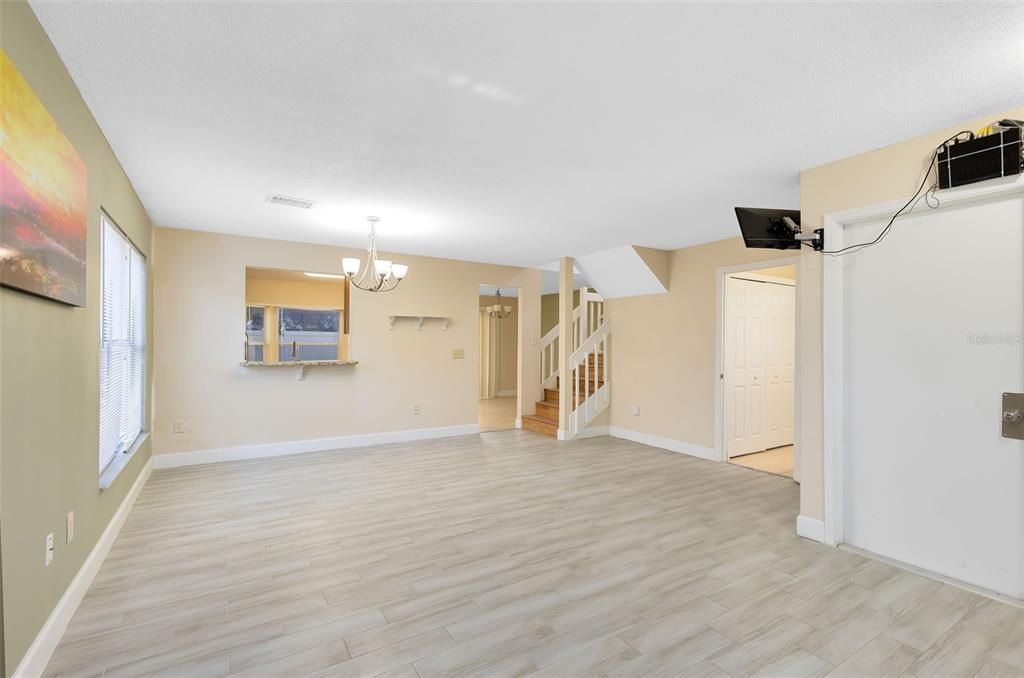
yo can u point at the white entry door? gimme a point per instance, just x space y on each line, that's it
745 373
931 324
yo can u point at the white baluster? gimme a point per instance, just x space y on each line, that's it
575 387
584 329
586 380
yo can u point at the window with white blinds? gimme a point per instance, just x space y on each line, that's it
122 344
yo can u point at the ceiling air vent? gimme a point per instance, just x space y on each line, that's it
289 201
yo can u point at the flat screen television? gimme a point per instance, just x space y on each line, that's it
765 229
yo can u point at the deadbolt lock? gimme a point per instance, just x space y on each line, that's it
1013 415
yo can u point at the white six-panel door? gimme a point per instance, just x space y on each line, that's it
930 326
758 365
745 373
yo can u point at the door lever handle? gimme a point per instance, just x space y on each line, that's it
1013 415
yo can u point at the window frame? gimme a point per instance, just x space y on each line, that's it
271 345
262 343
140 330
282 345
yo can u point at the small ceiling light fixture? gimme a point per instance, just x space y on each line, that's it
497 310
378 275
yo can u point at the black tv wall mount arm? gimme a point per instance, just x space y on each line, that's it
816 238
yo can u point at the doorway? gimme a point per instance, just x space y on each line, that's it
499 350
758 368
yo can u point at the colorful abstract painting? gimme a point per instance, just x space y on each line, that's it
43 197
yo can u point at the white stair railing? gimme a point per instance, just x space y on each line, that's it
590 389
549 358
586 317
588 363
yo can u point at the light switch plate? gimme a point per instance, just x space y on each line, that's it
458 354
71 527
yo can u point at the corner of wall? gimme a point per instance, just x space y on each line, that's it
659 261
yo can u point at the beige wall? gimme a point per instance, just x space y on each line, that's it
508 353
787 272
663 346
549 310
879 176
200 291
49 399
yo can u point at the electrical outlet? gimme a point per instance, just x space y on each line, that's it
416 409
70 526
179 426
636 410
49 549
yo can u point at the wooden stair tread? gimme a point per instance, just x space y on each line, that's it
540 424
552 398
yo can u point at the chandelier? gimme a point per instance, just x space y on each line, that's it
378 275
497 310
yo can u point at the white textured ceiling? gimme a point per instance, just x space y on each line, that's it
516 133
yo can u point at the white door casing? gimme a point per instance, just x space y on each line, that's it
488 355
922 336
780 355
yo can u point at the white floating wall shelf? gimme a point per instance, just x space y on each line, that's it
420 319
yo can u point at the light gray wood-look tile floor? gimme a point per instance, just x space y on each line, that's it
508 554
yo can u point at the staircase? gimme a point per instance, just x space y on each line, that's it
546 419
587 367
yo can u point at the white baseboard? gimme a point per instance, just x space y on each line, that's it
34 662
593 432
589 432
506 394
810 528
176 459
664 443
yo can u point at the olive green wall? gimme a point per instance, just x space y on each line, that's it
50 365
549 310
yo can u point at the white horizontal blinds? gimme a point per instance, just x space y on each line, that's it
113 340
122 344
